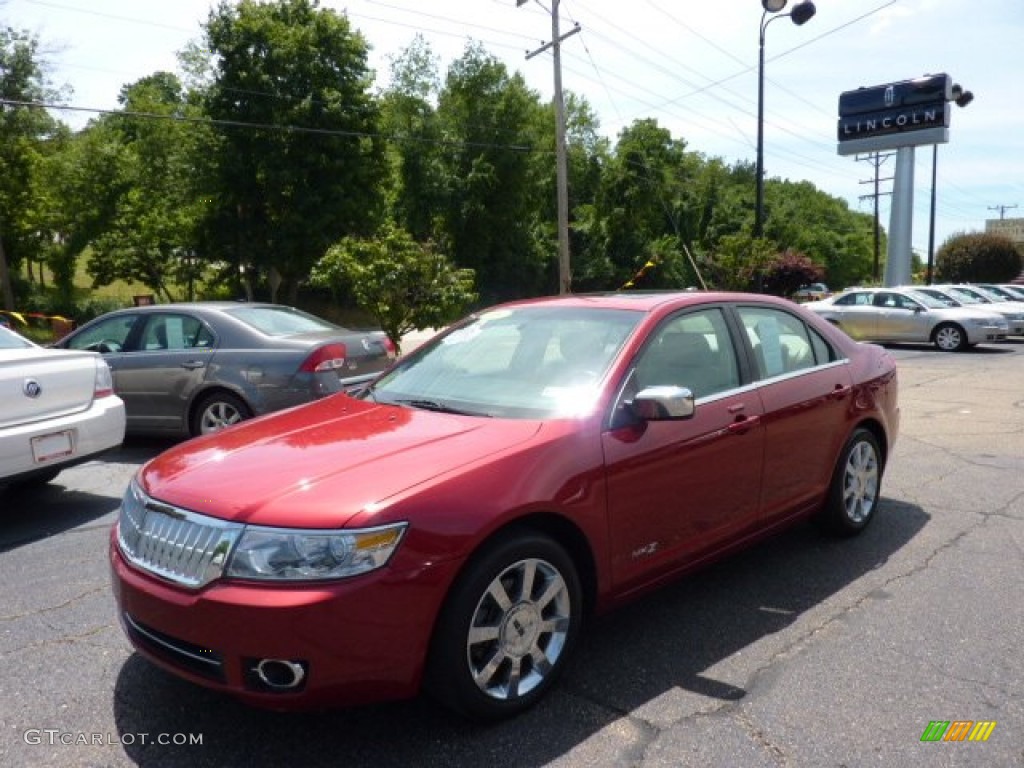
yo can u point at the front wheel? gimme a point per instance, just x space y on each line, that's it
950 337
216 411
507 628
856 484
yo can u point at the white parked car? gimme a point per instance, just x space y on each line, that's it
976 297
57 409
897 314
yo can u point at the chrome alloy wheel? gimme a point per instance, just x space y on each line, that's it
519 629
860 482
217 415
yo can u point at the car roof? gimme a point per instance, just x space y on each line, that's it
647 301
200 305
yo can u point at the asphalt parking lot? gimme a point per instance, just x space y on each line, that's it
805 651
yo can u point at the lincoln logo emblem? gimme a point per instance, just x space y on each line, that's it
890 96
31 388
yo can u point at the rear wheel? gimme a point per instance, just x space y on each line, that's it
216 411
950 337
856 485
507 628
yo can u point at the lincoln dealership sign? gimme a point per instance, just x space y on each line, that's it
904 114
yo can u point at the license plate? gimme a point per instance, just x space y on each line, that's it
56 446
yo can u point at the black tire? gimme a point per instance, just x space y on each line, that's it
856 485
216 411
490 660
949 337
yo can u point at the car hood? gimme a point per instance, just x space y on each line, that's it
318 465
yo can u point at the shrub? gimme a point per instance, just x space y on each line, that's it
977 257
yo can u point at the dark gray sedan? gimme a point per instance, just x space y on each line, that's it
198 367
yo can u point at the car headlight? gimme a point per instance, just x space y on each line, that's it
302 554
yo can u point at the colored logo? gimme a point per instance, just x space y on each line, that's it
958 730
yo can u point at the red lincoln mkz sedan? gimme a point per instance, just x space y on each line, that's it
451 526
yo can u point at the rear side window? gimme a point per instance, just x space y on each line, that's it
783 343
172 331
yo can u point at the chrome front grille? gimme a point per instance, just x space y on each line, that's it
181 546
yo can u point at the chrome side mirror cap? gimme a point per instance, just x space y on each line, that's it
663 403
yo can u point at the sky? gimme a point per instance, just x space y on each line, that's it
690 65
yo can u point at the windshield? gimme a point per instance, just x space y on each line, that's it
526 362
988 293
932 301
967 297
281 321
11 340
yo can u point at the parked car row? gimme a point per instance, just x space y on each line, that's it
184 369
952 317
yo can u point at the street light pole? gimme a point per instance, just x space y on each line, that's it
801 13
961 98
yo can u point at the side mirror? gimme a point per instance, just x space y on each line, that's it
663 403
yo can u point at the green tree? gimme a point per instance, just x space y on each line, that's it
643 212
24 129
403 284
737 261
409 118
150 227
493 125
977 257
300 158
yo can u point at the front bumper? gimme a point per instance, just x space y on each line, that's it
359 640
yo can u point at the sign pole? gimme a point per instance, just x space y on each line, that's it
901 218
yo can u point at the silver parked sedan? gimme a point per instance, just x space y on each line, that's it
977 297
194 368
895 314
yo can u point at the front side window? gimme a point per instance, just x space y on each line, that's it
692 350
109 335
783 343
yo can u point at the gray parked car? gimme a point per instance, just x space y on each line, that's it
894 314
194 368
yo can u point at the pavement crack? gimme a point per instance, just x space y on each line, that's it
50 608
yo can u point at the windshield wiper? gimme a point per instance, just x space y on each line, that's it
434 405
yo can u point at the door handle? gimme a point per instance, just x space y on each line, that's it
193 364
840 392
743 425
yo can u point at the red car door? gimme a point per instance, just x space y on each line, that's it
680 489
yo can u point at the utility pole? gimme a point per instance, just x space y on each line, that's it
1002 209
876 160
561 162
